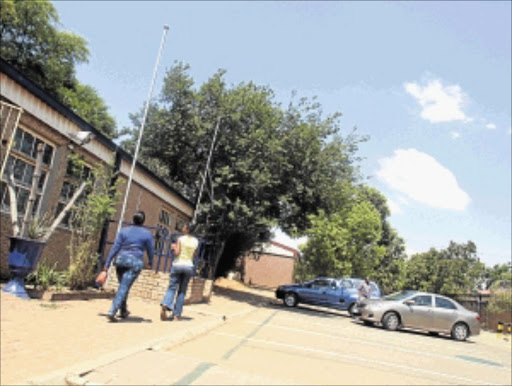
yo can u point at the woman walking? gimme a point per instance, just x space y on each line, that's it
185 252
130 245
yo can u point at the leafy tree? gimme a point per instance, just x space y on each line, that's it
344 244
450 271
496 274
390 272
269 166
32 43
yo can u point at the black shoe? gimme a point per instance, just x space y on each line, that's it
163 312
111 318
124 314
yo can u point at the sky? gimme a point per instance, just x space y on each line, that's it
428 82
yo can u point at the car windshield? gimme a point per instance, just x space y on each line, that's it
399 295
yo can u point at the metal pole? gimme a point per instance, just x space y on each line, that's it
130 177
141 131
206 170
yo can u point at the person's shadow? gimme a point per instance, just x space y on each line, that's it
129 319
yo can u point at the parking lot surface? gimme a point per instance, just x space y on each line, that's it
277 345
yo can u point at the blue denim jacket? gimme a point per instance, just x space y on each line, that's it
130 244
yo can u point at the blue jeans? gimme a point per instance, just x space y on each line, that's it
126 277
180 276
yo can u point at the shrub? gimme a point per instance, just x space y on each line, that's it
500 301
82 270
46 276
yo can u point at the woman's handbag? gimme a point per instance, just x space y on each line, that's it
101 278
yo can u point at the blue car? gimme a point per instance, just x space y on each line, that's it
329 292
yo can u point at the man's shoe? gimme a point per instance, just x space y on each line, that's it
111 318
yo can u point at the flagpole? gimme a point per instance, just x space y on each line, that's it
141 131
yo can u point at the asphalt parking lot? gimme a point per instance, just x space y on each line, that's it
277 345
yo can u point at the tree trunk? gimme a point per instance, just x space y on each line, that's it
33 189
12 200
62 214
217 258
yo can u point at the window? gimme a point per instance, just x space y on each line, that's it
320 283
23 159
164 218
445 303
75 175
424 300
347 283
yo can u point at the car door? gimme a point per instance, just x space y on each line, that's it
319 291
420 313
445 314
307 292
333 296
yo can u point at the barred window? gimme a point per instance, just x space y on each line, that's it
22 158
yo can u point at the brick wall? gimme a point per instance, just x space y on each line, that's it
152 286
268 271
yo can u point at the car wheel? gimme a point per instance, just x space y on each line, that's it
290 299
391 321
460 332
351 309
368 323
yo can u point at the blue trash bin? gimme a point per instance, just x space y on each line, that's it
24 254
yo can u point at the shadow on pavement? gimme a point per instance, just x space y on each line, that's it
129 319
265 301
414 332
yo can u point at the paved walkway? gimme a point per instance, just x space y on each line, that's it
42 342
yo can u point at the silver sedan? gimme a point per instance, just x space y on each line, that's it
423 311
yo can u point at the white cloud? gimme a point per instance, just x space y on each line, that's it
455 135
439 103
421 178
490 126
394 207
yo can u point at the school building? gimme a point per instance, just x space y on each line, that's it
30 116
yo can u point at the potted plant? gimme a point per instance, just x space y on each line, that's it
28 241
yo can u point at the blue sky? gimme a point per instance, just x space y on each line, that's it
429 82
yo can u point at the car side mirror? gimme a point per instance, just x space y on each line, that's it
410 302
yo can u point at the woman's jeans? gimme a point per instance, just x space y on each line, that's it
180 276
126 277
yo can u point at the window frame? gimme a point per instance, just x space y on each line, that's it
452 304
17 155
422 296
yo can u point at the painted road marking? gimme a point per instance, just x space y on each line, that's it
194 374
455 346
252 333
357 358
479 360
387 346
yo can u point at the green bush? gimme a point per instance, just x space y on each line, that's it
82 270
46 276
500 301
